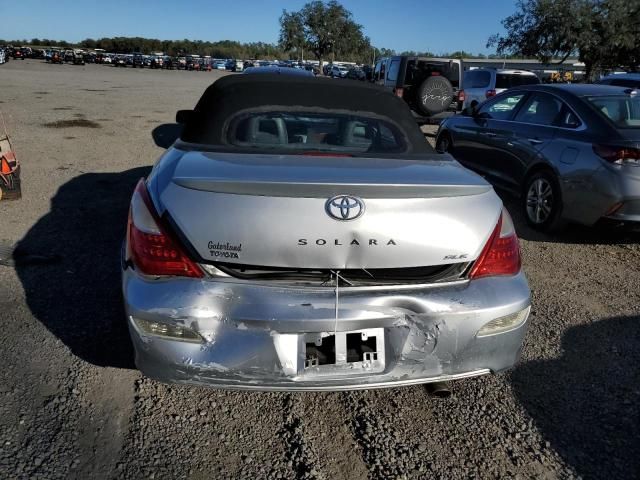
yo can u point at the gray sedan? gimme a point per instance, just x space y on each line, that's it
571 152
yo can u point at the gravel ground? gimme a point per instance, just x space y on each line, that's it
73 406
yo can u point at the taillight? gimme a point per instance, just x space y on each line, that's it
461 96
618 155
501 254
490 93
399 91
152 248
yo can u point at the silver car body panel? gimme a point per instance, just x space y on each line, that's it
452 212
254 334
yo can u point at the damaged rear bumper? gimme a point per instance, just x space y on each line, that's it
266 337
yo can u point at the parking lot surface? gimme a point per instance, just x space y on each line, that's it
73 406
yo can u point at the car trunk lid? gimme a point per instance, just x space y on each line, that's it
272 210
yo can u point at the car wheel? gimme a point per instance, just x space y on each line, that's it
542 202
435 94
444 143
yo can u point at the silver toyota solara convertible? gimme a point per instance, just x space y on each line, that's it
302 235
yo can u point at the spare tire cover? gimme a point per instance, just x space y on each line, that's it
435 95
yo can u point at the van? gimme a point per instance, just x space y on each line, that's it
483 83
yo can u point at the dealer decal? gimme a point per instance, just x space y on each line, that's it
224 250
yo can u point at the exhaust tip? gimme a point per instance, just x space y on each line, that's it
438 389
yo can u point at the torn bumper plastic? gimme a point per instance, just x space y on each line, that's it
243 335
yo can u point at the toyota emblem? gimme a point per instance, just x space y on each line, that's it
344 207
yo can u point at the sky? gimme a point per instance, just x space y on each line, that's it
422 25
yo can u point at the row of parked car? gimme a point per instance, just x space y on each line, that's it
197 62
138 60
436 87
17 53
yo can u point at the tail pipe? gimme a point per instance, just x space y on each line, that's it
438 389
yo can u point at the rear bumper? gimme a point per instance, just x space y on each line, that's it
629 212
254 335
590 199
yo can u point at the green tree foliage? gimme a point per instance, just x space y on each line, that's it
292 35
324 29
603 33
622 27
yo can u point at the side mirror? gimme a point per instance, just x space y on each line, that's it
184 116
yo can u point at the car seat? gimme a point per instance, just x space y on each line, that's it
267 130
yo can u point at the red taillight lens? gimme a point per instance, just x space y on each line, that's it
490 93
399 92
461 96
501 254
618 155
152 249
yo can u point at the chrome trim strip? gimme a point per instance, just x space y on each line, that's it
287 285
323 190
315 387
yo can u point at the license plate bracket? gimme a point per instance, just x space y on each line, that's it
330 354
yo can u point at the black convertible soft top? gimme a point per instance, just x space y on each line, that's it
207 124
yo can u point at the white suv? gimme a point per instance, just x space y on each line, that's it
482 83
338 71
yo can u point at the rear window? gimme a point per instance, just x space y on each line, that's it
417 71
476 79
623 111
311 132
510 80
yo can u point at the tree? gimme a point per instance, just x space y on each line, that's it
292 32
324 29
603 33
623 25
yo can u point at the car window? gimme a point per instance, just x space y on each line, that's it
540 109
310 132
376 71
476 79
568 119
392 74
510 80
417 71
625 82
502 107
622 110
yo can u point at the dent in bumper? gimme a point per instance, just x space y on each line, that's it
254 334
588 197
